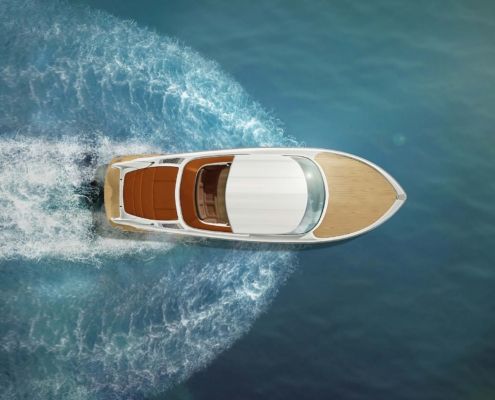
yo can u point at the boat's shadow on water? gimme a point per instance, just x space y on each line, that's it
260 246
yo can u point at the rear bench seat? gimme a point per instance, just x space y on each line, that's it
150 193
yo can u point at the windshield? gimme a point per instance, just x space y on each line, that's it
210 194
316 195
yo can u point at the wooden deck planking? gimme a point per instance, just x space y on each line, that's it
359 195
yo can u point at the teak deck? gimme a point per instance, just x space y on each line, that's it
358 195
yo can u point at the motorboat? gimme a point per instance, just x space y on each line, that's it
284 195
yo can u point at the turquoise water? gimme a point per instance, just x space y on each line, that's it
405 312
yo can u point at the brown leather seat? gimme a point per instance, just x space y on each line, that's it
150 193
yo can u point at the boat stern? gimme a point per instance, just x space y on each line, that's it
111 192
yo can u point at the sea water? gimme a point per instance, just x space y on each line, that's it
404 312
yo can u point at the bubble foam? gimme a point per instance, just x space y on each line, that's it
44 208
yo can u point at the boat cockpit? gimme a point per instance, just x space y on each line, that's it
211 184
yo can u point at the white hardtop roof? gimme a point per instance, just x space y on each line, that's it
266 194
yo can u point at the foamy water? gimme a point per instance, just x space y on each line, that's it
44 210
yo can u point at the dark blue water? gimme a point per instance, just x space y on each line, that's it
405 312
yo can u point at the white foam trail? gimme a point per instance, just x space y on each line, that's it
155 329
42 212
75 69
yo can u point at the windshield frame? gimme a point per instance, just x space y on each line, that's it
317 195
